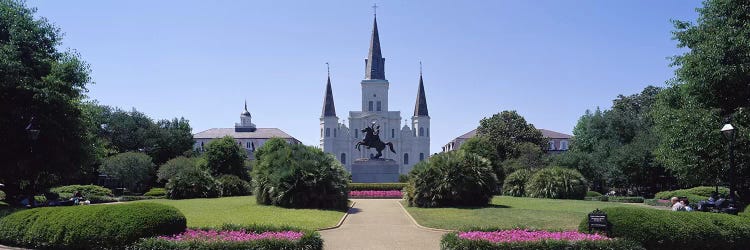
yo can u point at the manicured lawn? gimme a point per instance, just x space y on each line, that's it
511 212
244 210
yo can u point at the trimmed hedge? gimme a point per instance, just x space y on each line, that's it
311 240
376 186
86 190
451 241
593 194
138 198
86 227
694 195
156 192
664 229
625 199
658 202
597 198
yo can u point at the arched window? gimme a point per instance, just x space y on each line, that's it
369 106
356 133
247 144
563 145
421 156
421 131
428 132
393 133
378 107
551 145
406 159
343 158
334 132
328 132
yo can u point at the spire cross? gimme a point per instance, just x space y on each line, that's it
245 104
420 68
328 67
375 9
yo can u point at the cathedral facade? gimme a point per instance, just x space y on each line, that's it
411 143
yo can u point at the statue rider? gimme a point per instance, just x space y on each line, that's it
375 135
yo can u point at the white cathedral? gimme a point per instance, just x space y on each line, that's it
412 144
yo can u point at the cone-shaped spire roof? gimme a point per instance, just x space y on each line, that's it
375 63
420 107
245 113
328 108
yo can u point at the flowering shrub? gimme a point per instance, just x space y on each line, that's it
236 237
528 239
526 235
375 194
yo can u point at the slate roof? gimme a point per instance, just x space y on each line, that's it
554 135
375 68
260 133
329 109
420 107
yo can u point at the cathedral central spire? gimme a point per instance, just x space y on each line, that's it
375 63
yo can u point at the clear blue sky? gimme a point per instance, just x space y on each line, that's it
549 60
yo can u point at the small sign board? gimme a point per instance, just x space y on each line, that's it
598 220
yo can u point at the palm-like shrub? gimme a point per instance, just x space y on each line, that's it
193 183
451 179
515 183
231 185
299 176
557 183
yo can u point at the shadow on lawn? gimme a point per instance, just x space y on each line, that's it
488 206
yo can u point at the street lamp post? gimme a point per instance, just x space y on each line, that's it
729 132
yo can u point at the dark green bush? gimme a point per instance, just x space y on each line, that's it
89 227
193 183
664 229
515 183
454 178
232 185
138 198
626 199
2 195
658 202
451 241
376 186
311 240
403 178
557 183
174 166
86 190
156 192
593 194
94 199
694 195
299 176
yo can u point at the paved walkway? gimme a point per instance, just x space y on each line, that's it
379 224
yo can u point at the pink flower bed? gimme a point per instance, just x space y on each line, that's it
517 235
375 194
241 235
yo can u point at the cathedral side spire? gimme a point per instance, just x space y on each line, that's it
420 107
375 63
329 109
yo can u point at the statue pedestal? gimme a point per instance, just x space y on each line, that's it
374 170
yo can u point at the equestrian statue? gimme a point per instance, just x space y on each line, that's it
372 140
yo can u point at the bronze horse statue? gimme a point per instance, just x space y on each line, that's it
372 140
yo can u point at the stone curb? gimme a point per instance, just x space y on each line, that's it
420 226
340 221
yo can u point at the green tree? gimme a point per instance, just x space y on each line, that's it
711 86
225 156
483 147
41 88
133 169
174 166
615 147
506 131
175 138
